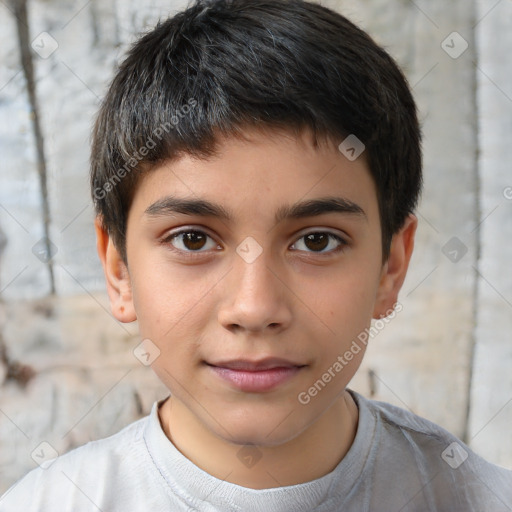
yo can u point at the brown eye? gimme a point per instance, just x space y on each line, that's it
318 242
191 241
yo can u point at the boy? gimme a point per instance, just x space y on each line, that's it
255 168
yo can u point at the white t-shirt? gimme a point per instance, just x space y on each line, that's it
397 462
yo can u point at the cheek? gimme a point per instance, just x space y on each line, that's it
349 298
172 311
166 299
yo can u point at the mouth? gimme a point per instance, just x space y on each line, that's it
255 376
247 365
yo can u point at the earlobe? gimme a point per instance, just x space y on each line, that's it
116 276
395 269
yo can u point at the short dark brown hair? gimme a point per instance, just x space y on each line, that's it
223 65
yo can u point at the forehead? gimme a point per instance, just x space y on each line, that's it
266 170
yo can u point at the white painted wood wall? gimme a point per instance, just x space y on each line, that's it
448 354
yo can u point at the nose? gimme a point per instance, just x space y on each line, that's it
256 298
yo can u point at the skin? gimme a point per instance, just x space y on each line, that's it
301 301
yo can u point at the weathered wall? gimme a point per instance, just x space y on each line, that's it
67 370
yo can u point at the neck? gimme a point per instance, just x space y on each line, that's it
314 453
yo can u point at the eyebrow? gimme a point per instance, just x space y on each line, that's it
171 205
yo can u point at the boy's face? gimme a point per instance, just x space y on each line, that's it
250 288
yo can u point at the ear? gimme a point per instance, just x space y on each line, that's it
116 276
395 269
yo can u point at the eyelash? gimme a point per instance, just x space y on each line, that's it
192 254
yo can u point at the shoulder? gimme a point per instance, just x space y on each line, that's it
104 452
426 457
404 420
75 475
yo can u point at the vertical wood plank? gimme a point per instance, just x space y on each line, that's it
491 396
22 274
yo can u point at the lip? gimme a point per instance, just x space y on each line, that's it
268 363
255 376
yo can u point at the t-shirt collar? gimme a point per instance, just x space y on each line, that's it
202 491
